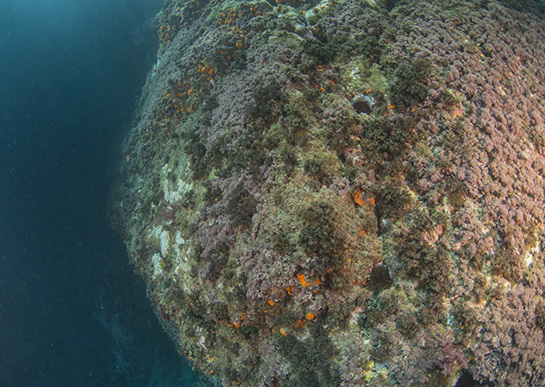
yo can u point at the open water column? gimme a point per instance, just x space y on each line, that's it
72 313
344 192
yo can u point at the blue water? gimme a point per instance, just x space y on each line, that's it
72 313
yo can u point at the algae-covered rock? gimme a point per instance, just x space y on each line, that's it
343 193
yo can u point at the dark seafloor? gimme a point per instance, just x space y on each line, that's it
71 311
345 192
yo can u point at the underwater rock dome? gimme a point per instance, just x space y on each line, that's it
344 193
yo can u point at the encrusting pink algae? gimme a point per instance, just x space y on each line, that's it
344 193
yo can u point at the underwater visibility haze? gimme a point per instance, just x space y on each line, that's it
310 192
71 311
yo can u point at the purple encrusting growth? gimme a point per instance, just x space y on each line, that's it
344 193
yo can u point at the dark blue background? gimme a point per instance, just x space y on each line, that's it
72 313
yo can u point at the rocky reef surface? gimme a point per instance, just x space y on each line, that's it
344 193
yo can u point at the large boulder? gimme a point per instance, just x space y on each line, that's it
344 193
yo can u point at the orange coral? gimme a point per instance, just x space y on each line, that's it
357 196
302 280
